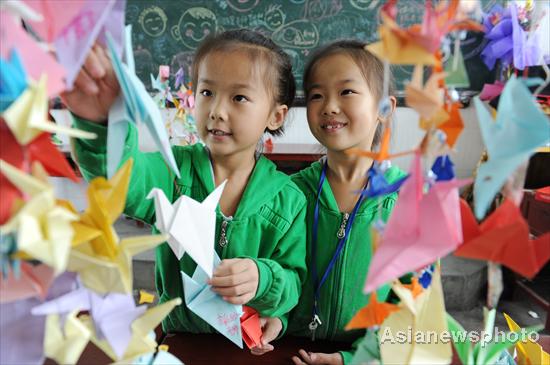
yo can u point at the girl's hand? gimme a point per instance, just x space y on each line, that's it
236 280
95 89
271 327
317 358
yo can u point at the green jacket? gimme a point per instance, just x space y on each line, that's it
341 295
267 227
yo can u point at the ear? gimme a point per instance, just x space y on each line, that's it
277 117
393 106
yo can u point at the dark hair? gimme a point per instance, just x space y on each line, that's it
280 79
371 67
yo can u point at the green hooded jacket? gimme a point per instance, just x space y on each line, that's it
267 227
341 296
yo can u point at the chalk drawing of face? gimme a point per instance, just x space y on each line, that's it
242 5
153 21
299 34
194 26
274 17
363 4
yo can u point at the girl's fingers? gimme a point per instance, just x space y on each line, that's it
230 281
110 76
236 290
93 65
230 267
298 361
86 84
239 300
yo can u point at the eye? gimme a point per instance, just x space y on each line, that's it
206 92
240 98
347 92
315 96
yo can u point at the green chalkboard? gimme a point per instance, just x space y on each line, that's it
167 32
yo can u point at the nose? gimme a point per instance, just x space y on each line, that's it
331 107
218 110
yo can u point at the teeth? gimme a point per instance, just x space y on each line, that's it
334 126
218 133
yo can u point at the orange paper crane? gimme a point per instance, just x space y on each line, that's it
427 99
503 238
454 125
383 154
418 43
373 314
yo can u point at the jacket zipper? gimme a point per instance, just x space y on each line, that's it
342 231
223 232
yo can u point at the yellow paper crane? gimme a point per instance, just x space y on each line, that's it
65 343
529 352
141 341
397 47
104 262
26 116
425 314
43 227
428 99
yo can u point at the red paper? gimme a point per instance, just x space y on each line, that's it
251 328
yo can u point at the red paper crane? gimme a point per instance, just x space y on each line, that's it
503 238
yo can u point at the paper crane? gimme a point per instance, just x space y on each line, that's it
43 227
133 105
105 262
190 225
503 238
520 127
425 314
373 314
410 239
26 116
529 352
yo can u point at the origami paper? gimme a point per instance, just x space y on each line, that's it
443 168
36 61
13 80
503 238
57 16
92 20
25 342
44 230
414 287
418 43
521 126
180 78
251 328
528 352
378 185
32 281
158 358
65 343
371 315
135 105
455 70
527 45
112 314
368 350
426 99
426 317
383 154
190 225
105 262
483 352
140 343
397 47
491 91
26 116
8 248
205 303
39 149
454 125
410 239
21 10
145 297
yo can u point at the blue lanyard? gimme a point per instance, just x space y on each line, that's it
318 284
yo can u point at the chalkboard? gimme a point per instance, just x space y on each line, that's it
167 32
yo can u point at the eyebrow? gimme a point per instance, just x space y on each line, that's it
345 81
234 86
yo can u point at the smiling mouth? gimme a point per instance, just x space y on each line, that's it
219 133
332 126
